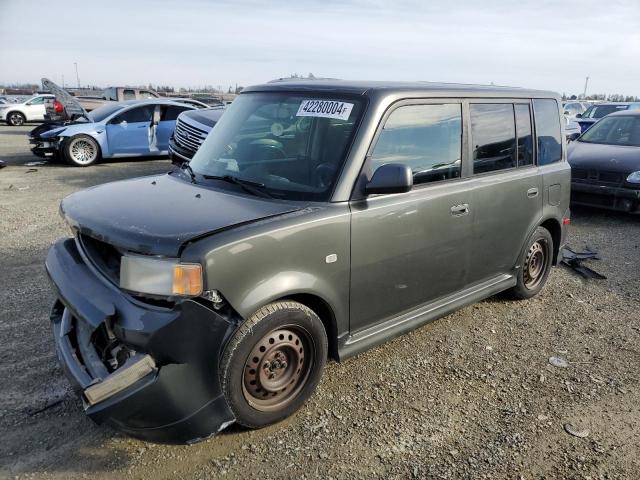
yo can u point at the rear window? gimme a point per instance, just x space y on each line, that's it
547 121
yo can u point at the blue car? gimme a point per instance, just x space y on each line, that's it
134 128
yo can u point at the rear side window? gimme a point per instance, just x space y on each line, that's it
548 131
426 138
494 136
525 136
139 114
171 112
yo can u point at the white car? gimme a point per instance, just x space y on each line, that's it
32 110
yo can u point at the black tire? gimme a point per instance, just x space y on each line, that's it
15 119
285 340
535 264
81 151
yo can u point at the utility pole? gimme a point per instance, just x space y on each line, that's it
75 64
63 80
586 83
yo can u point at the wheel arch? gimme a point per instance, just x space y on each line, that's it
554 228
322 308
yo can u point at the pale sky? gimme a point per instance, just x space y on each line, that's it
538 44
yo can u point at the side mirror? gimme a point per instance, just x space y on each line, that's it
390 178
579 115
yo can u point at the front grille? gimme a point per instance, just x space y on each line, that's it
188 137
104 256
597 177
595 200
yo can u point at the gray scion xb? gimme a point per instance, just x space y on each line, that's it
318 219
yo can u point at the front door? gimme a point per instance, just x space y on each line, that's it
411 249
128 133
34 109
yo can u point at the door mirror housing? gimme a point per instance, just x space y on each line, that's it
390 178
579 115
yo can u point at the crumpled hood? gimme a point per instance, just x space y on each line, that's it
608 158
158 214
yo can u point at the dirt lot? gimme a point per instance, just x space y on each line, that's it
470 396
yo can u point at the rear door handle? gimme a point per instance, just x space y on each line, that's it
459 210
532 192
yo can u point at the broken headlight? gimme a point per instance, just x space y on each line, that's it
634 177
166 277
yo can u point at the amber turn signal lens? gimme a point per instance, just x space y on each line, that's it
187 279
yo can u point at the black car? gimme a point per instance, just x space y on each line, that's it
600 110
191 130
605 164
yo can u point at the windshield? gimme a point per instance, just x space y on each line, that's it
616 130
100 113
599 111
292 146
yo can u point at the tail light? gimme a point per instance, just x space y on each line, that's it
57 106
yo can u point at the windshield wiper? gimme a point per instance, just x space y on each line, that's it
255 188
187 167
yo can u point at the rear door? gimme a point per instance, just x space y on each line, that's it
168 124
410 249
128 132
507 198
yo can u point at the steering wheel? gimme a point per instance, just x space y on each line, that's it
270 145
324 174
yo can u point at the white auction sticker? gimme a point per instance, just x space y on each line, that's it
325 109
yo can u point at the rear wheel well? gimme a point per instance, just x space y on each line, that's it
324 311
553 226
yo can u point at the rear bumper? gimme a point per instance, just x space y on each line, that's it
600 196
178 401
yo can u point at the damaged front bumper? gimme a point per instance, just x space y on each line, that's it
602 196
165 387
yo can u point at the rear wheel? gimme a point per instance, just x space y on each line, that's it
81 151
273 363
16 119
535 264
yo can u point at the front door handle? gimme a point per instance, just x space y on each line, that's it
459 210
532 192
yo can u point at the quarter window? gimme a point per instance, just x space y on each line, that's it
525 137
426 138
494 137
547 121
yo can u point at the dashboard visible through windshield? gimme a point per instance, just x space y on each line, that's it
287 145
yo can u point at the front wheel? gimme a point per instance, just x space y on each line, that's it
535 264
273 363
16 119
81 151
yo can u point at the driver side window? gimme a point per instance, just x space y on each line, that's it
36 101
426 138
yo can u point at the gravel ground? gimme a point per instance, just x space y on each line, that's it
472 395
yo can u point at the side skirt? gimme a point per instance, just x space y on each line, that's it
350 345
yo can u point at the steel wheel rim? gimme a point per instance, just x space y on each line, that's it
82 151
16 119
535 264
278 368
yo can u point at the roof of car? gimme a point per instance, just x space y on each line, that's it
367 87
151 100
625 113
607 104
